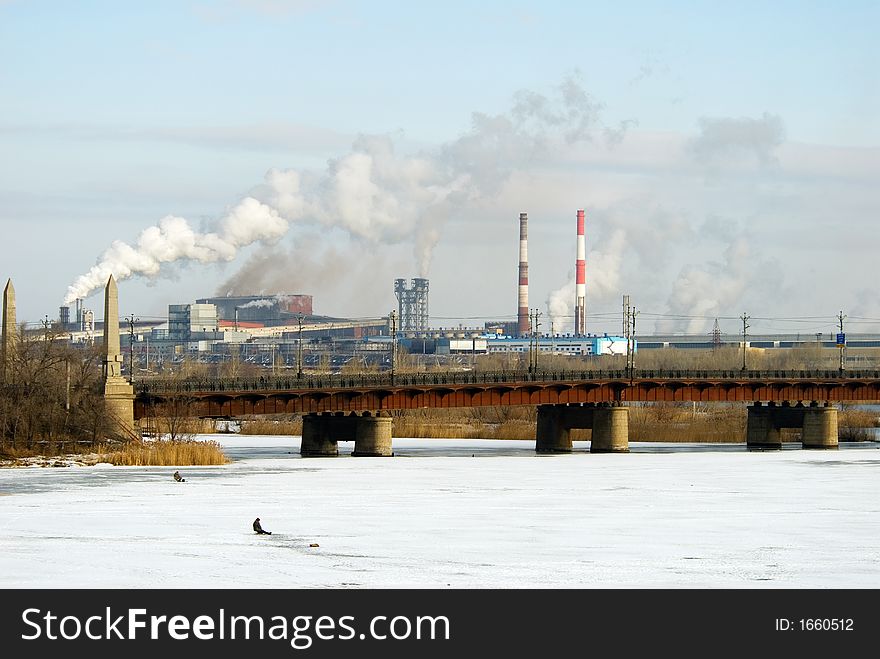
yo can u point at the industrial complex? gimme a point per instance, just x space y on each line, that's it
282 330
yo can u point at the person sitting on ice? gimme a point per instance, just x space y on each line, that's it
178 477
259 529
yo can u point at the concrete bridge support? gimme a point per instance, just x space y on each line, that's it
553 434
610 430
610 426
372 436
818 425
761 431
322 433
317 437
820 428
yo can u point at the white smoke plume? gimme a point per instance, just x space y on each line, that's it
259 304
725 138
602 283
266 302
173 239
374 193
708 291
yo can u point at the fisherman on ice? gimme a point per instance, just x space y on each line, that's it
259 529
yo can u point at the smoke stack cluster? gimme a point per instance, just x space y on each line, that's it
523 305
580 310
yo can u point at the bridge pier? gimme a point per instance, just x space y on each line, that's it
317 437
322 433
610 430
820 428
610 426
761 431
765 422
552 434
372 436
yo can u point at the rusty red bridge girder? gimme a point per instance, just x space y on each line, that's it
338 393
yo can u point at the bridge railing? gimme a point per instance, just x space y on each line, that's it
159 385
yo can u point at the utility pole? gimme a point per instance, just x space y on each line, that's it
393 317
716 336
841 342
631 342
746 326
627 324
131 321
531 340
299 356
535 333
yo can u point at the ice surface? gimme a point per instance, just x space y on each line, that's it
662 516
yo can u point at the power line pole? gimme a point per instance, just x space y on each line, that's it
131 322
393 317
716 336
299 356
531 339
627 322
746 326
631 342
537 337
841 342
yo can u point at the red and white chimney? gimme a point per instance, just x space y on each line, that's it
580 302
523 324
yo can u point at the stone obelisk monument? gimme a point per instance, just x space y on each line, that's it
7 348
118 392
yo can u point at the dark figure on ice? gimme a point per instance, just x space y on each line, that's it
259 529
178 477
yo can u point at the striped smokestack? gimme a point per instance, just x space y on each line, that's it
580 302
523 306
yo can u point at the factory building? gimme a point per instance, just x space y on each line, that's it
560 345
497 344
279 309
185 320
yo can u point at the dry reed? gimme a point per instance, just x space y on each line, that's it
165 453
271 426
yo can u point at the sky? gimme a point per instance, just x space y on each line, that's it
727 157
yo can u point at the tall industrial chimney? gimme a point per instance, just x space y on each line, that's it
523 325
580 294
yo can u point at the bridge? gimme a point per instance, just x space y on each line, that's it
355 407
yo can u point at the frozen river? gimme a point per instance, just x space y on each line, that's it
452 513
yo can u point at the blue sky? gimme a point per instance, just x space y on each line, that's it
750 136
